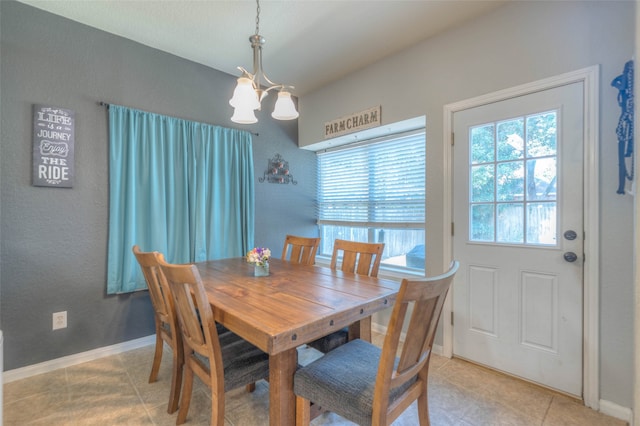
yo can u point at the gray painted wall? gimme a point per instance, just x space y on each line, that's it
53 240
518 43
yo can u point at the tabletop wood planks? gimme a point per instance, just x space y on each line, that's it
295 304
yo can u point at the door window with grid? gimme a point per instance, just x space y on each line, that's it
513 197
375 192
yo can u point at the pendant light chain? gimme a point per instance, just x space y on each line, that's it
257 17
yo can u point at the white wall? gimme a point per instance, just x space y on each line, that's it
518 43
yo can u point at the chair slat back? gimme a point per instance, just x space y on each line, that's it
195 314
357 257
300 249
159 290
427 298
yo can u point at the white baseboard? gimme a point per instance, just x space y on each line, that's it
614 410
381 329
378 328
437 349
68 361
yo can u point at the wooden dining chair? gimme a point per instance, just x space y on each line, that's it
300 249
358 257
369 385
354 257
166 321
222 361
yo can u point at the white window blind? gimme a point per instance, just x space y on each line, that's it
375 184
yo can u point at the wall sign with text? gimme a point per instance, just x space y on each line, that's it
353 123
53 140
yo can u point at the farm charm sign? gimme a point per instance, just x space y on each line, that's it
353 123
53 140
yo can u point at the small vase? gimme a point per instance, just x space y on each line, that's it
261 270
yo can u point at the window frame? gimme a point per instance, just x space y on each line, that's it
373 224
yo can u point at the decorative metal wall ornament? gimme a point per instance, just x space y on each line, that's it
278 171
624 131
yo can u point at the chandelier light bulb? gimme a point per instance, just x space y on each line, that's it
244 95
243 116
284 109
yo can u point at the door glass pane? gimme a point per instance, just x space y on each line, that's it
483 183
510 181
541 179
511 139
482 222
482 146
541 223
541 134
510 223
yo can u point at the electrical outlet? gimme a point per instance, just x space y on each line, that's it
59 320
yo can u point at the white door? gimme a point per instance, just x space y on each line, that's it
518 221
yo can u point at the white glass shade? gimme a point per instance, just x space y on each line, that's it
244 95
284 109
243 116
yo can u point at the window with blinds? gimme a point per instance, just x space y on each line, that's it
375 191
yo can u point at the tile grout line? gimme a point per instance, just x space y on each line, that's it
135 388
546 412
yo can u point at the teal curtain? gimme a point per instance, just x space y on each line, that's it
179 187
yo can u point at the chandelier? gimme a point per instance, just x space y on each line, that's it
248 94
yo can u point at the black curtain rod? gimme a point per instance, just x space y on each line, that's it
106 104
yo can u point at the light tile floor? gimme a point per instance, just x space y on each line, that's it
115 391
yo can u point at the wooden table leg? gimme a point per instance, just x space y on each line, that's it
361 330
282 401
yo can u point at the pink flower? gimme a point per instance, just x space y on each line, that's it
259 256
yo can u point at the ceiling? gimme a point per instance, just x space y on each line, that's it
309 43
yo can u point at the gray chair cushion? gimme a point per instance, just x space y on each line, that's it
243 362
330 342
343 381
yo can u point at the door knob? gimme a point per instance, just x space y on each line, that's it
570 256
570 235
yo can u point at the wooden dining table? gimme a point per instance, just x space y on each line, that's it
294 305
